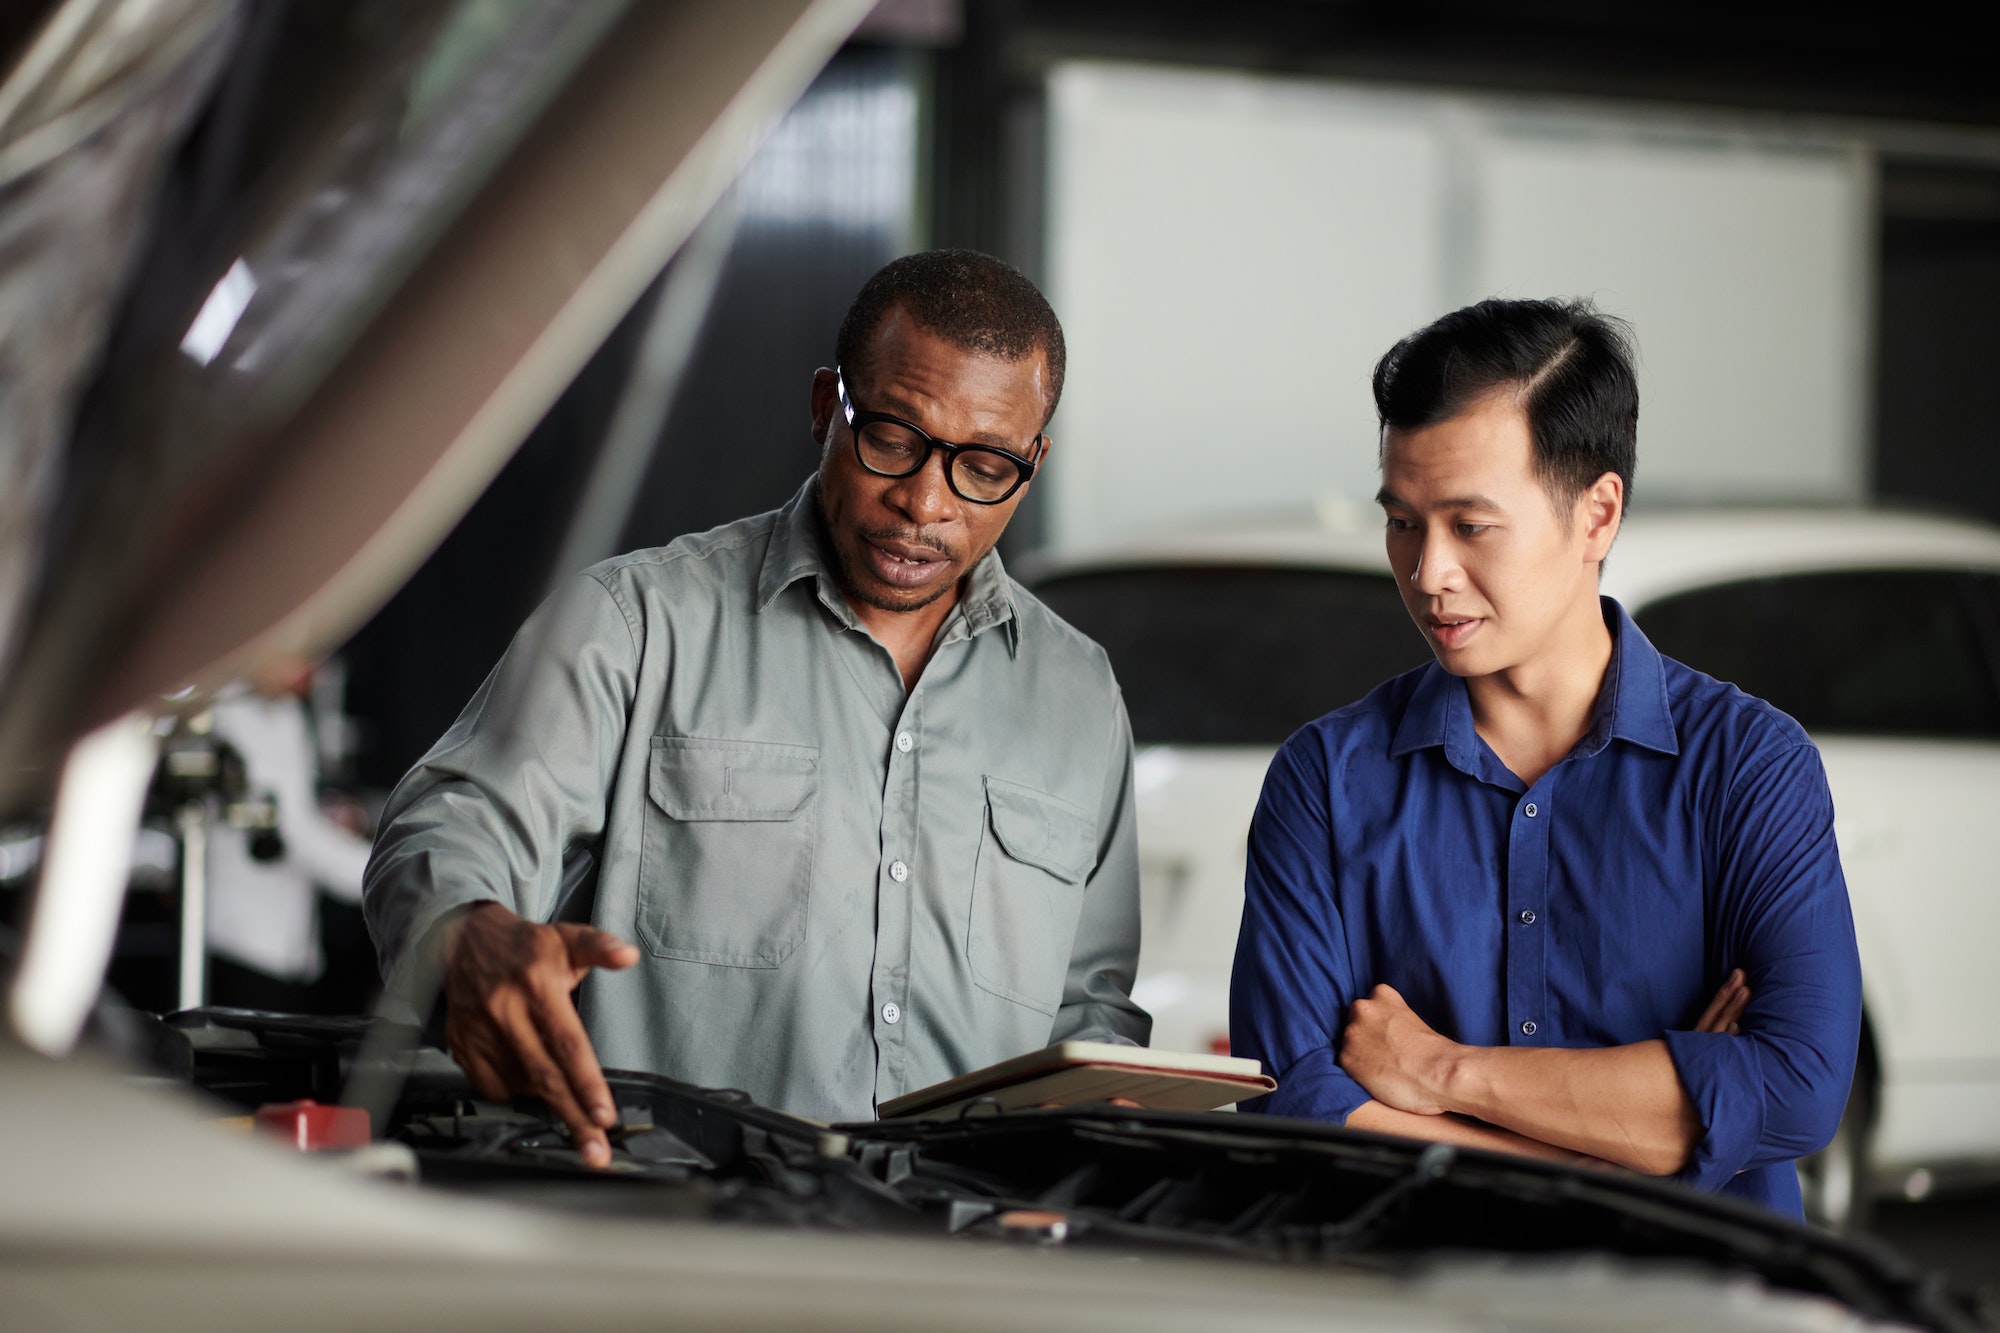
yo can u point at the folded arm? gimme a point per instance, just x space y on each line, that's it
1461 1131
1621 1105
1759 1081
1776 1094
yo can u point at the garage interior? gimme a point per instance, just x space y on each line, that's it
973 123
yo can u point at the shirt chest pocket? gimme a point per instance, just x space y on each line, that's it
1027 893
725 866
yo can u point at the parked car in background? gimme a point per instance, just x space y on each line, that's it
1879 632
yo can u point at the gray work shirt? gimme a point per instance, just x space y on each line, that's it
842 892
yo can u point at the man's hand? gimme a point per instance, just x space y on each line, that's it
1395 1055
510 1022
1725 1011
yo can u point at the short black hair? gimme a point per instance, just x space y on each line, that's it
971 300
1570 364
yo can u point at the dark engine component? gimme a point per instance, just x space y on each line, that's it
1256 1187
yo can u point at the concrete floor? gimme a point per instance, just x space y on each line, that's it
1956 1234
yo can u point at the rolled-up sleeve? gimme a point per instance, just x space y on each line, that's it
1775 1092
1097 1000
518 781
1291 986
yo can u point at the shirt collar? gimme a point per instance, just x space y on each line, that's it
1632 705
1438 713
799 550
1635 689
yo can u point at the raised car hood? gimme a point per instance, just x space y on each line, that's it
299 391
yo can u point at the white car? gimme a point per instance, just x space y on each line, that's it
1879 632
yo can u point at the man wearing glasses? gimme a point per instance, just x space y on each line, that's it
862 803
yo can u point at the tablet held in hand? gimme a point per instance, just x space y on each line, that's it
1073 1072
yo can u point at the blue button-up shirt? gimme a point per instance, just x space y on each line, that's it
1688 833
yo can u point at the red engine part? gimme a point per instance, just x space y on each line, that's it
309 1126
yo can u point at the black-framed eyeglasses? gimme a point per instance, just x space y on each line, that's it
892 447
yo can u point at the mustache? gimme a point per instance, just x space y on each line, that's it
914 537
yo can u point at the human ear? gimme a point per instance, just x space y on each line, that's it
1601 508
825 402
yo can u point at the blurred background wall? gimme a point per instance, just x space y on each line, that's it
1232 252
1236 208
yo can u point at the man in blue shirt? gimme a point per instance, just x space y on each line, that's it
1553 893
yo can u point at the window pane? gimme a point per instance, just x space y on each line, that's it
1239 656
1884 652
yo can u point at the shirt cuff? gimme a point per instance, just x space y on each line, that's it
412 968
1104 1035
1725 1081
1314 1088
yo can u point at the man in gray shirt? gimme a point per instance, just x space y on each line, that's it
864 804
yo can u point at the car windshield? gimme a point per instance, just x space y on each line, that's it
1868 652
1238 655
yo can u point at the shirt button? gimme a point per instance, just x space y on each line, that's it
898 872
1528 1027
1527 916
1529 810
892 1013
905 742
